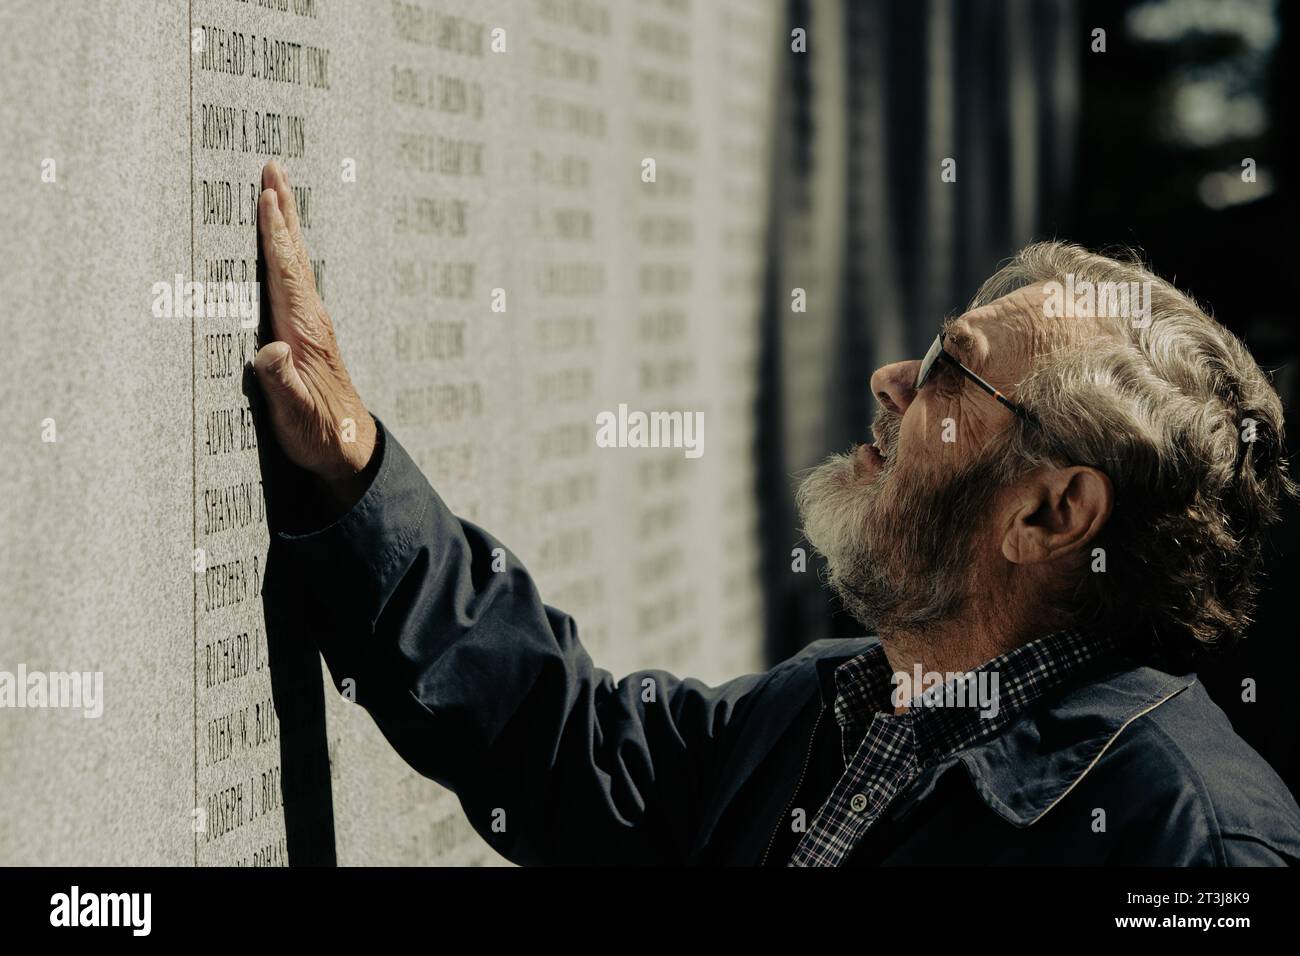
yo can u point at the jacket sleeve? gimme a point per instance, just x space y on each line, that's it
482 687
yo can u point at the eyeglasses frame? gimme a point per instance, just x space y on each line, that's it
937 352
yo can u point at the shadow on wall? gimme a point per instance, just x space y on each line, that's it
297 684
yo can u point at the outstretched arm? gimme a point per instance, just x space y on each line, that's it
475 682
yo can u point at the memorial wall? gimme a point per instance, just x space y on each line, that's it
472 181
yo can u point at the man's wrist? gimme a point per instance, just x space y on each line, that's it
342 487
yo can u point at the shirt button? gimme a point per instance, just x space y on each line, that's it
858 803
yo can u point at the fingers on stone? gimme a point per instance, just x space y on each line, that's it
279 181
278 243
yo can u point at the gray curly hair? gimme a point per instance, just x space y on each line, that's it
1188 428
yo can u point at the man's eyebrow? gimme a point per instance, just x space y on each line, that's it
960 340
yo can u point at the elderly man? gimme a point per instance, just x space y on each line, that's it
1058 508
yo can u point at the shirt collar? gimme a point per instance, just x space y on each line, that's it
947 715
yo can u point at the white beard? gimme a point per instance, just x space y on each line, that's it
898 553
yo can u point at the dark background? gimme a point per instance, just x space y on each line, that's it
1138 145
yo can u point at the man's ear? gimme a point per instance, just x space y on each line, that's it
1056 512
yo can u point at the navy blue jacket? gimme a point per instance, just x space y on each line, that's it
482 687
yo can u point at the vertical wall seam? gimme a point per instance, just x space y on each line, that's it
194 451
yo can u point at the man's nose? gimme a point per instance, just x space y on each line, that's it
893 385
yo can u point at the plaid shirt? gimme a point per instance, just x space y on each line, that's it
895 748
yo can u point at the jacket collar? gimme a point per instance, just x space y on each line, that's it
1028 767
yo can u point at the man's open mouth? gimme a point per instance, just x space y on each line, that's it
879 446
873 455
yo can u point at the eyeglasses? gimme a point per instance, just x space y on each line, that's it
937 352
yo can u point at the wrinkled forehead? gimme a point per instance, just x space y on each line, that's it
1017 325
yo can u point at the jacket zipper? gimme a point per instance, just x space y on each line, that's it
806 761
